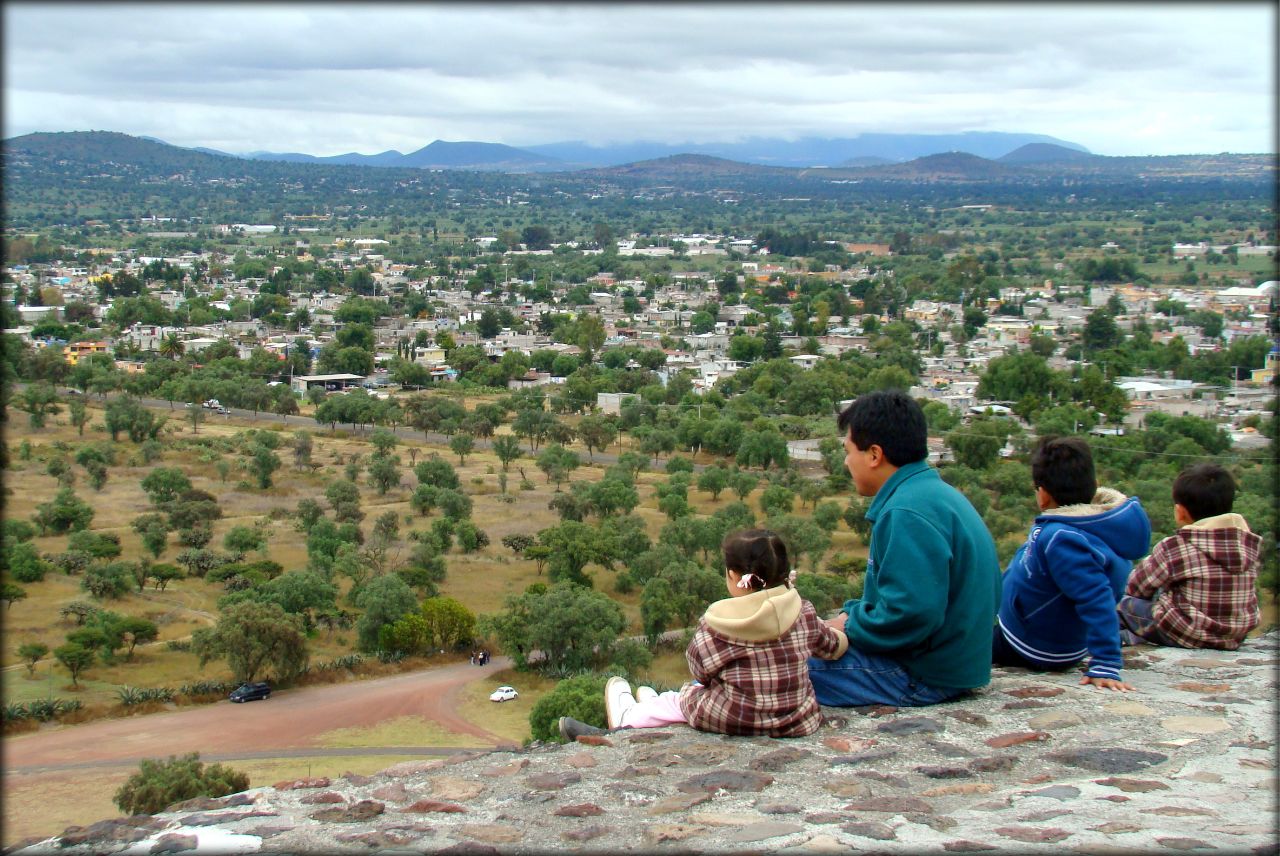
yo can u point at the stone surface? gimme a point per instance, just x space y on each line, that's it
877 780
1108 759
870 829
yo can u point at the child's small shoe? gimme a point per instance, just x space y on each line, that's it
646 694
617 700
1128 638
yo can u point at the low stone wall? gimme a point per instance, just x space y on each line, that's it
1033 762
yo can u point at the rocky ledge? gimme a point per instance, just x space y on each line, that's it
1032 762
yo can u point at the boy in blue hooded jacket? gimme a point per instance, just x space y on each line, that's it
1059 593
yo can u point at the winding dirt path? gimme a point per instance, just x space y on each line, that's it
288 722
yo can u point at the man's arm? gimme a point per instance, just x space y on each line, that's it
913 562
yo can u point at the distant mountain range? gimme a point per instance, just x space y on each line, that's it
863 150
106 153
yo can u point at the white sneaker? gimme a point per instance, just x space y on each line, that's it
617 700
646 693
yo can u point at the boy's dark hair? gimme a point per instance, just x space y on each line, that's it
760 552
1204 490
1063 466
890 419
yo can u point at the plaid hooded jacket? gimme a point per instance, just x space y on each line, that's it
749 653
1202 579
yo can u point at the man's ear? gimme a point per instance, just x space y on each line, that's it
875 455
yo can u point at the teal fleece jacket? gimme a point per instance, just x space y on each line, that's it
932 586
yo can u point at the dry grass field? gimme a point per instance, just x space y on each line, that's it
482 580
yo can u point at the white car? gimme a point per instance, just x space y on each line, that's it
504 694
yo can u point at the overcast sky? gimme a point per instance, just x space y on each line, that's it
1120 79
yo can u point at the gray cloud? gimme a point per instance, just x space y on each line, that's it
327 79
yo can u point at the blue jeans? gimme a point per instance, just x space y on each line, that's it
859 678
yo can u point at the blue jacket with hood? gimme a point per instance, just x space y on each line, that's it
1059 593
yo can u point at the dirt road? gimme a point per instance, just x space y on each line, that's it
284 724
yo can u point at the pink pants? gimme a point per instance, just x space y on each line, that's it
663 710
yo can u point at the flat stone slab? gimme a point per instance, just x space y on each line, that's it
1187 764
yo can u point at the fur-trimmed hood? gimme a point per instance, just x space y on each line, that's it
761 616
1118 521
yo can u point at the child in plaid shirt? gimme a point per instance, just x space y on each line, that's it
1196 589
748 656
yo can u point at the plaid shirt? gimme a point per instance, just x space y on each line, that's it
761 687
1202 578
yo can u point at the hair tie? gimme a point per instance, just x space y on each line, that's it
791 578
745 581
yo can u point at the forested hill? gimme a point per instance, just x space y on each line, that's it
73 176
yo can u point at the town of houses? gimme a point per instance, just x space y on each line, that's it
951 378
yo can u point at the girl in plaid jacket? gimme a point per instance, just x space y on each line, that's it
748 655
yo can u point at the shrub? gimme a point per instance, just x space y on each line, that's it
581 697
159 784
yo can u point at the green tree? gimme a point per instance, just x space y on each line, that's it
66 512
163 484
384 472
556 462
461 445
160 784
262 464
252 637
574 627
384 600
40 400
580 697
32 653
241 540
507 448
75 659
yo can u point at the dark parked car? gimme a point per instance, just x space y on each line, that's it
251 692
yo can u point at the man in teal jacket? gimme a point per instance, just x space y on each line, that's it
921 632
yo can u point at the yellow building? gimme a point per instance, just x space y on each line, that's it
1270 368
76 350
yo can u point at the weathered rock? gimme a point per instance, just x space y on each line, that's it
939 772
1179 811
1057 792
671 832
453 788
594 740
1108 759
1024 704
491 833
581 761
1116 827
1193 724
215 818
993 764
1201 687
299 784
678 802
586 833
579 810
968 717
864 756
428 805
726 780
875 710
506 769
762 832
891 805
1035 692
323 798
1014 738
173 843
393 792
1033 835
1184 844
947 750
963 846
910 725
959 788
870 829
847 744
779 759
1054 719
554 781
354 813
1132 786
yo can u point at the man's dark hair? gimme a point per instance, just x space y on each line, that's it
1063 466
890 419
1204 490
